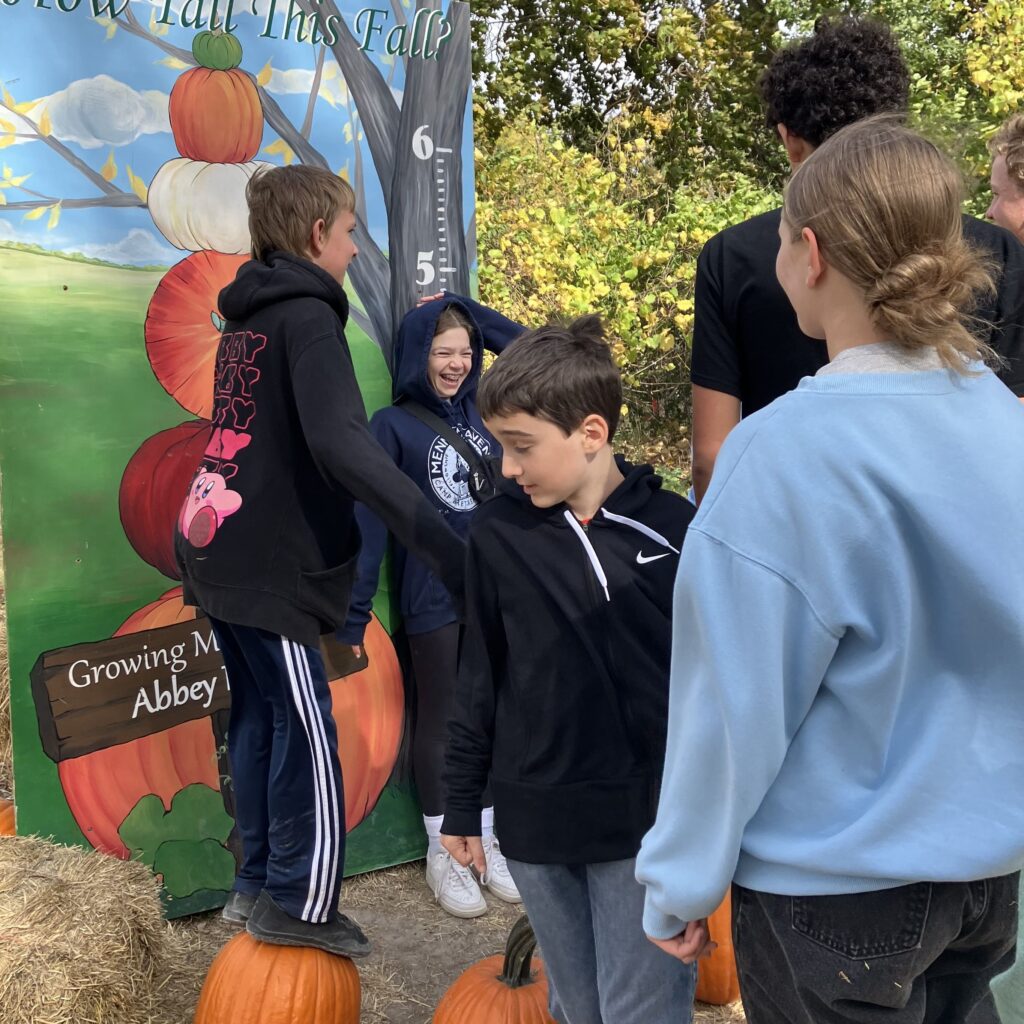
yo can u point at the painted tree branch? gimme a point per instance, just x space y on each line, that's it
318 74
121 200
127 21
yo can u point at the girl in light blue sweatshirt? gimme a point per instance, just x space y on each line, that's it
846 721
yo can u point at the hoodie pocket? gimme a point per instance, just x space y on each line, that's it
327 593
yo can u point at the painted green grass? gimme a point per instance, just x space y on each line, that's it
77 398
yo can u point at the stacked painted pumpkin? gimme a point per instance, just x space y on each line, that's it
198 202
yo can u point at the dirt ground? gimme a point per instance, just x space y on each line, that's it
419 950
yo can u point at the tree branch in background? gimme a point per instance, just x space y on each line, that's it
307 124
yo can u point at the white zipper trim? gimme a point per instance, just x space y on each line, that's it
640 528
591 553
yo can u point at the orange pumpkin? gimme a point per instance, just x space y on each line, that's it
183 327
6 818
501 989
154 485
254 982
102 787
717 981
216 115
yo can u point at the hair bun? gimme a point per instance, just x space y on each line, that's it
927 293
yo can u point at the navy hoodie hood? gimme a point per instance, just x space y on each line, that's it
412 351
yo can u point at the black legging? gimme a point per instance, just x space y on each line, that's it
435 658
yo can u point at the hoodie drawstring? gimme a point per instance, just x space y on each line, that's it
591 553
640 528
622 521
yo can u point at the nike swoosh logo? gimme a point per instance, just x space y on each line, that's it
642 559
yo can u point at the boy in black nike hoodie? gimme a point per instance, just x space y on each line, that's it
267 545
562 696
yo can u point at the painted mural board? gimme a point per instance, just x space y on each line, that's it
128 130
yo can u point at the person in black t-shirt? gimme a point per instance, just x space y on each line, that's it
747 347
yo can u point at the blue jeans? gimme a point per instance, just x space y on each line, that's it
588 919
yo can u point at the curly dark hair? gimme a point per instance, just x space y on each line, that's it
849 69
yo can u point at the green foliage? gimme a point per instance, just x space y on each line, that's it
604 232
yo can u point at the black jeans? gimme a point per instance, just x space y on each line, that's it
918 954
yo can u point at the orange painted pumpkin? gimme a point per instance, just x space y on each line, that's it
6 818
508 989
183 327
215 109
717 981
102 787
154 485
254 982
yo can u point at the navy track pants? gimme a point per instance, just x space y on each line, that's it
283 747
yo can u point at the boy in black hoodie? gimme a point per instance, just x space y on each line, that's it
562 696
267 544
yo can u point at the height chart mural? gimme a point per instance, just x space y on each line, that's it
128 131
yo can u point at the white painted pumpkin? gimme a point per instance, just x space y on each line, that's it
199 206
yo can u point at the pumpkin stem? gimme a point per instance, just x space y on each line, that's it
519 950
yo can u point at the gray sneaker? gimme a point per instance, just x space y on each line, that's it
238 908
342 936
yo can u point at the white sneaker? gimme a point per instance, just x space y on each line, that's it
454 886
498 878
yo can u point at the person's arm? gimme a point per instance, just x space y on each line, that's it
471 728
715 413
333 419
714 367
748 656
498 331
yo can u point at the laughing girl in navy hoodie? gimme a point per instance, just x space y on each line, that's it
437 368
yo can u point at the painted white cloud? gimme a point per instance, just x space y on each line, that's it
138 246
102 111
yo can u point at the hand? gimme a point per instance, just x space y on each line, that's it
424 299
357 650
691 944
468 851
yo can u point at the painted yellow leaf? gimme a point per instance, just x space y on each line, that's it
111 30
109 169
15 182
137 184
174 63
264 76
155 27
44 126
3 199
343 173
331 70
7 140
8 99
325 94
35 214
347 129
54 217
8 173
282 149
6 125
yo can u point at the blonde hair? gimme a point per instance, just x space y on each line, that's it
285 203
884 205
1008 142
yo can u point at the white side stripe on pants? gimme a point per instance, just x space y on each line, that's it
314 896
331 796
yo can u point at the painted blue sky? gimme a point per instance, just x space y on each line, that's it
68 59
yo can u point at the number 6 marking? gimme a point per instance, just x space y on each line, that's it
422 144
425 266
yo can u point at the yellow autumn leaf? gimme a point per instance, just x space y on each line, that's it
282 149
3 199
264 76
7 140
54 217
331 70
8 173
137 184
343 173
8 98
44 126
109 169
6 125
16 182
155 27
347 129
174 63
325 94
111 29
35 214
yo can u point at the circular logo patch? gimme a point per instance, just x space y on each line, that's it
448 472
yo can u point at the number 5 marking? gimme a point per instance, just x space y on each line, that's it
425 266
422 144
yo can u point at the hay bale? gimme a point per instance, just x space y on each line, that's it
83 939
